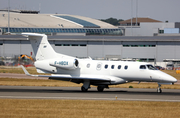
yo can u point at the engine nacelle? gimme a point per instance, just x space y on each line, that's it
68 64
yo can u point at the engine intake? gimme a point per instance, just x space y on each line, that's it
68 64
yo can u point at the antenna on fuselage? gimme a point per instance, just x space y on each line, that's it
39 7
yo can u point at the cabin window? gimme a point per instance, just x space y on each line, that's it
142 67
106 66
119 67
151 67
99 66
112 67
88 65
126 67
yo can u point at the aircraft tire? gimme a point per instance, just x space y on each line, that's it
83 89
159 90
100 88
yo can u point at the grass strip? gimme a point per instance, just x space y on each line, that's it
36 82
34 108
17 70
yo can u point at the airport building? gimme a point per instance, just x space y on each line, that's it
54 24
149 27
85 37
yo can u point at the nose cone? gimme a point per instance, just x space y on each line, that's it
168 78
174 80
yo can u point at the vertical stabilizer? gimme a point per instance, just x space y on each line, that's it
41 47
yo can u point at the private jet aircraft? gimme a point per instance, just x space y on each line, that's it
88 71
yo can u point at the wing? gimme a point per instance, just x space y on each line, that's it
101 78
81 77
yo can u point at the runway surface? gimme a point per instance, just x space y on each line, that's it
128 94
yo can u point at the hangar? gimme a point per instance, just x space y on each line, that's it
83 37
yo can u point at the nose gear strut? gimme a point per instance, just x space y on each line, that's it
159 88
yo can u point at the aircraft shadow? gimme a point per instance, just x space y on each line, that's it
121 92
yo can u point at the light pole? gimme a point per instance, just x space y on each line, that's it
131 16
136 11
8 15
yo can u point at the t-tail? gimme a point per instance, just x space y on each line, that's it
47 60
41 47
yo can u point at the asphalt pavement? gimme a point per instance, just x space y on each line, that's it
126 94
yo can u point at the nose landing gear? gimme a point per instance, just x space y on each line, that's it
159 88
83 89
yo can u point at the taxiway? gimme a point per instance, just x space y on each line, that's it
129 94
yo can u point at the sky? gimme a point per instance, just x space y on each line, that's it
163 10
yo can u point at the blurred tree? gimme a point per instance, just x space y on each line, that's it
112 21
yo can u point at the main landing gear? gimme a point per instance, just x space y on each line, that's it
159 88
100 88
86 86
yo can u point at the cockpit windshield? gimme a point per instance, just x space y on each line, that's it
151 67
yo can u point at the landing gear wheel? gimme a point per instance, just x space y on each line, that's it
83 89
100 88
159 90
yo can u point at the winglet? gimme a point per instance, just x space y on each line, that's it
25 71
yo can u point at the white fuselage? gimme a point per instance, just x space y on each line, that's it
129 71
